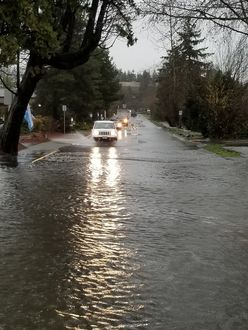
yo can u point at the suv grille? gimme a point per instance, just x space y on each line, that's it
104 133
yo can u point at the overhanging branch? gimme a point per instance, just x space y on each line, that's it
6 86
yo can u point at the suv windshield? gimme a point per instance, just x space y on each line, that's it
104 125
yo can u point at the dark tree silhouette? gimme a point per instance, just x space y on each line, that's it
60 34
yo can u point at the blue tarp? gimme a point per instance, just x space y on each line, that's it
29 118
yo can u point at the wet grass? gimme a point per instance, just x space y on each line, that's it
220 151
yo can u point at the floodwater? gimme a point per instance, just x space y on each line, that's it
149 233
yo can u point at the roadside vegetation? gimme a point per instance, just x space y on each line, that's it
198 90
196 94
221 151
87 90
53 34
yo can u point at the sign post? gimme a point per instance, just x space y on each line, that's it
64 108
180 113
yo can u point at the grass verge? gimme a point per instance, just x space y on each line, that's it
220 151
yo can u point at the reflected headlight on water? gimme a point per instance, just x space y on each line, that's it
112 153
107 170
112 168
100 265
95 164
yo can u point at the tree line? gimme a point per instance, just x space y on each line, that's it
193 93
87 90
58 34
64 34
140 96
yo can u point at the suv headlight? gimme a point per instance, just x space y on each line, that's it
95 132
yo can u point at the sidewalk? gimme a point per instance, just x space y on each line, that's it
51 141
197 138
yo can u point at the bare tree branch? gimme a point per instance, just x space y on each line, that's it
227 14
6 86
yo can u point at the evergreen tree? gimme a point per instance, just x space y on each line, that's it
127 75
89 88
170 92
147 90
58 34
109 86
181 79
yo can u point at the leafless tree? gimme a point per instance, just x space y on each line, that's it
232 56
230 14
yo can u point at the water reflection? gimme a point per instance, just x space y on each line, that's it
119 134
113 168
95 165
109 168
99 281
8 160
91 238
122 134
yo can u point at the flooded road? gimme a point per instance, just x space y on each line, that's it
149 233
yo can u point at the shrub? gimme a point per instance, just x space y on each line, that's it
42 124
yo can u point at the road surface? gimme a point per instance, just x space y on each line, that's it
148 233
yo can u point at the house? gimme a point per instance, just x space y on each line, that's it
3 106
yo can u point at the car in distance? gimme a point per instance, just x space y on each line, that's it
119 125
123 116
104 130
124 121
121 122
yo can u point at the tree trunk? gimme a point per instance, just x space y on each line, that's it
10 133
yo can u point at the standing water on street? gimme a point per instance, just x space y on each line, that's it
145 233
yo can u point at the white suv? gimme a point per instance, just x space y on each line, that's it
104 130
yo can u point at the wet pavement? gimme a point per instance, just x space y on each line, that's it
147 233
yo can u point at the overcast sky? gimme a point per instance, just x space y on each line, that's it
147 52
144 55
